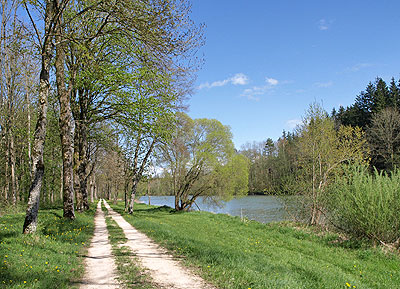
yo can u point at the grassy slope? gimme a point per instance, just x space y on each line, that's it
235 254
51 258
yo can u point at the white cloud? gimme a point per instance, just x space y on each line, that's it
272 81
358 67
237 79
324 24
323 84
293 123
256 91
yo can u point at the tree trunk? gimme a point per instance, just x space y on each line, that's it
67 147
95 191
126 195
30 223
61 184
132 197
81 148
83 161
12 171
115 193
28 108
176 192
108 190
78 195
148 190
7 181
92 188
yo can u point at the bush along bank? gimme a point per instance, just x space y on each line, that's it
366 205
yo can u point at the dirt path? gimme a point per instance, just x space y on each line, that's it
164 270
100 266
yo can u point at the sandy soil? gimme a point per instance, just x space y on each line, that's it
100 267
165 271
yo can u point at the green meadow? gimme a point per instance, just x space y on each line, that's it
234 253
227 251
50 258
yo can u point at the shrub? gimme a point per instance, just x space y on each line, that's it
366 205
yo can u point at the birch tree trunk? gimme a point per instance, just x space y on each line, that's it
92 184
30 223
132 197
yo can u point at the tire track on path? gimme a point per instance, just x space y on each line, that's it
164 270
100 272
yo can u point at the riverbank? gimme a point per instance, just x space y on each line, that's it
234 253
264 209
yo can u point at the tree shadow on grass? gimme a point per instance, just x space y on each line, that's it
5 235
164 209
34 279
56 215
353 244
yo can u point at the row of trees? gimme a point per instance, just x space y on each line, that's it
377 111
112 76
375 114
305 162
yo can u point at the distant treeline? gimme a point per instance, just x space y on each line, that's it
276 167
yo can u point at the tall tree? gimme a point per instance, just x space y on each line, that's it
45 41
146 121
66 125
384 138
10 50
103 65
395 94
322 150
202 162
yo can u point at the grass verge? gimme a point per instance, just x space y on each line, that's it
231 253
50 258
129 272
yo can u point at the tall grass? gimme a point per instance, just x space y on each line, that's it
366 205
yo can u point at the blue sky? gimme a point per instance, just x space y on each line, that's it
266 61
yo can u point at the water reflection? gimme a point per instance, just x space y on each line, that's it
263 209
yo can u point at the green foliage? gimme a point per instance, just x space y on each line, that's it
273 165
369 107
50 258
201 160
384 138
322 150
366 205
231 253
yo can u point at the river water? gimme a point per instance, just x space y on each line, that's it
263 209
